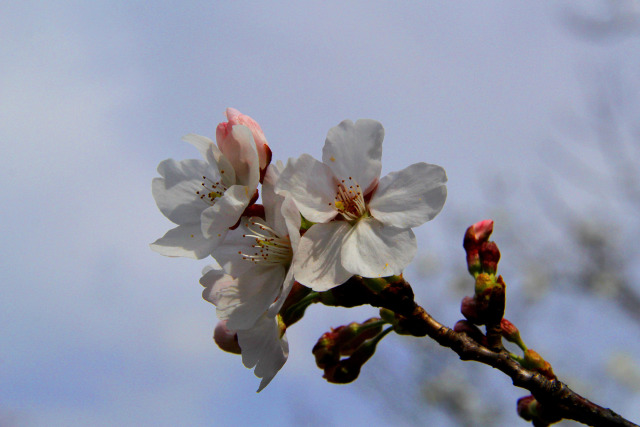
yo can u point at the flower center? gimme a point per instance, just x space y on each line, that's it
211 190
270 248
349 200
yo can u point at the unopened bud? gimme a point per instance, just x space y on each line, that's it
477 233
489 257
350 337
533 361
483 229
531 410
511 333
347 370
527 408
470 329
325 351
473 261
469 309
226 339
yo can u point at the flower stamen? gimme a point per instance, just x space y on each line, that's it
211 190
271 248
349 200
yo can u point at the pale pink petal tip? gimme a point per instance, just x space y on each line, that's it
231 113
483 229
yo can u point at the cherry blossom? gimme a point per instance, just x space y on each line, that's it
206 197
362 222
256 278
255 260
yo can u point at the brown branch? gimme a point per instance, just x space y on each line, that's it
556 398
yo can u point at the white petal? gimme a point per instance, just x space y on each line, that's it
292 220
410 197
226 211
230 253
202 143
215 281
316 263
375 250
241 151
354 150
175 192
255 291
212 154
271 201
287 284
263 348
186 241
312 186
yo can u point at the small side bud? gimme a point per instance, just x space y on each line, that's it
226 339
325 351
350 337
530 409
347 370
469 309
511 333
527 408
473 261
489 257
471 330
532 360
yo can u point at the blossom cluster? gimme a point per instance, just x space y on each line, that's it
318 224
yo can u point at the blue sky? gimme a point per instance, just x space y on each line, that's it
99 330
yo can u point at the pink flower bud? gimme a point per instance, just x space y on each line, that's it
477 233
226 339
225 142
482 230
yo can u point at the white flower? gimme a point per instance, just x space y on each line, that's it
264 346
207 197
363 223
256 279
255 259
